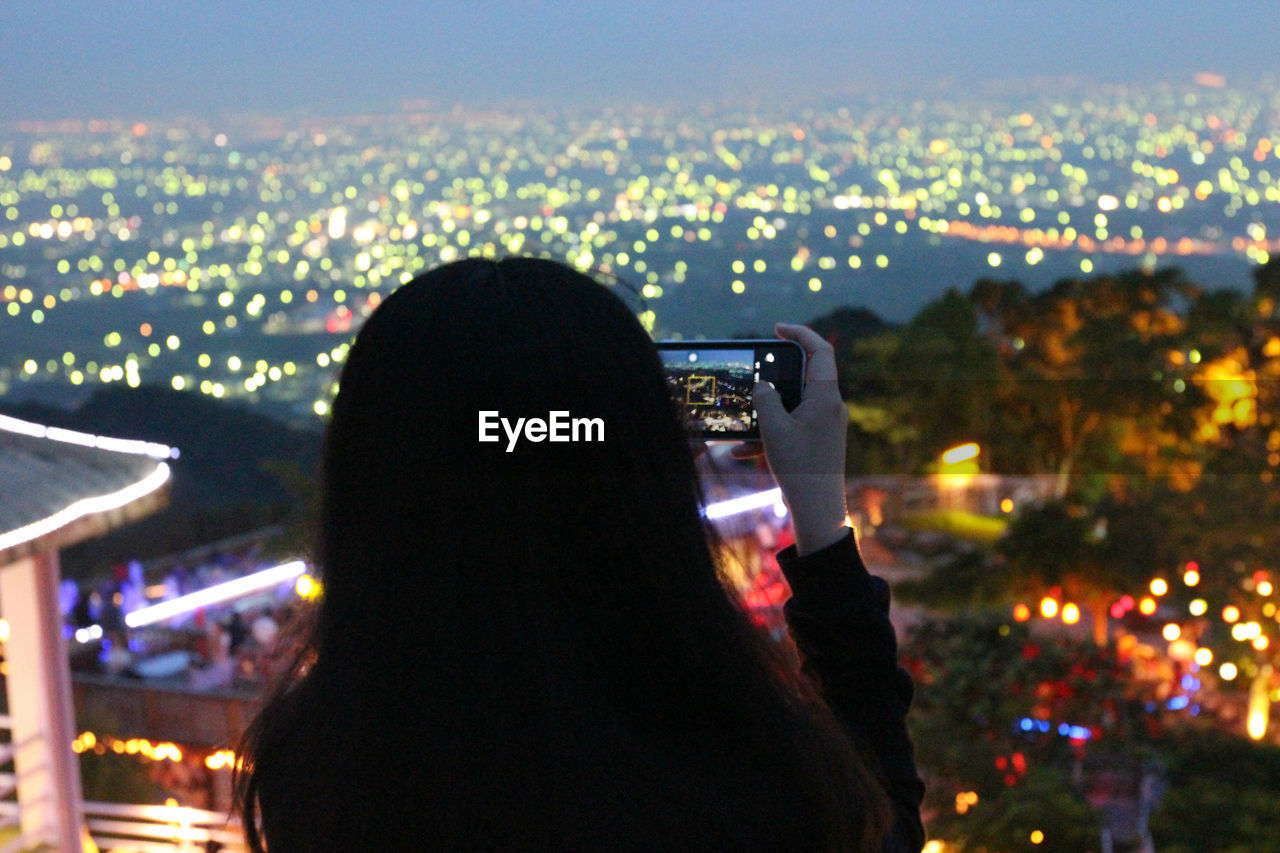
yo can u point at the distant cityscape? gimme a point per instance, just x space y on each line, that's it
235 259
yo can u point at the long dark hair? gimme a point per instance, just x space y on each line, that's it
530 648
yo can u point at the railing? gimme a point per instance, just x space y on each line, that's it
117 826
160 829
8 789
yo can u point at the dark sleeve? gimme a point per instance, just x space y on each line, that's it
838 614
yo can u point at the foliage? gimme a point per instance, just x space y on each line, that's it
966 526
1224 795
965 581
978 678
920 388
111 777
1091 387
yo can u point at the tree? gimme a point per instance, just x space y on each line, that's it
1089 556
991 701
918 389
1091 385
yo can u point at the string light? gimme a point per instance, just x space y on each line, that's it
85 507
745 503
99 744
265 579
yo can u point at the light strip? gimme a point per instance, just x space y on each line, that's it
216 594
84 439
86 506
733 506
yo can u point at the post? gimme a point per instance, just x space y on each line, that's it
38 684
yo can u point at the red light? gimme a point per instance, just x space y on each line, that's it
1117 611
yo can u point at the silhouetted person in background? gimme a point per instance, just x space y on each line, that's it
532 649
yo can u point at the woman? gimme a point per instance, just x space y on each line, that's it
527 646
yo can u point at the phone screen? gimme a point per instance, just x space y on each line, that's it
711 382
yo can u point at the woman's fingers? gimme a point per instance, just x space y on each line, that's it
820 357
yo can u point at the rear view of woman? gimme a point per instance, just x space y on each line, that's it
526 646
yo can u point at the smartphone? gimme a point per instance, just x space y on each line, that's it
711 382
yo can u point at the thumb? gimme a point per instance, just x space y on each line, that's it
768 403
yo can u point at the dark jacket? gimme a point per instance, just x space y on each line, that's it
839 618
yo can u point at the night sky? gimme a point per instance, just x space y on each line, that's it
109 58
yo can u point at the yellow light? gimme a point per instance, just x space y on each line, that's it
1230 613
1261 642
1191 577
1240 632
1264 588
1228 671
1006 505
1048 607
1171 632
1070 614
1037 837
1159 586
1147 605
1259 704
1198 607
960 453
1204 657
4 630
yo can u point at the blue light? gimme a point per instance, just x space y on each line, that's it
1064 729
1177 703
1043 725
1027 724
1080 733
1190 682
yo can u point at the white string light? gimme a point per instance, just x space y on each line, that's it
216 594
86 506
84 439
745 503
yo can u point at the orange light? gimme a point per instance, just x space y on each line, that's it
1021 612
1230 613
1147 605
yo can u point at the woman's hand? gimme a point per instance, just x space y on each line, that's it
805 447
